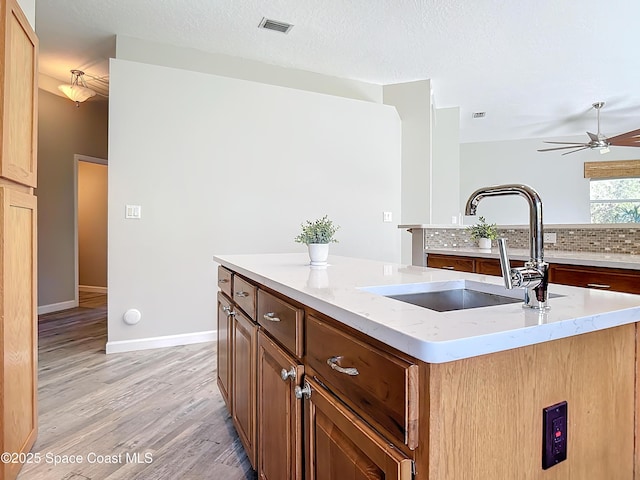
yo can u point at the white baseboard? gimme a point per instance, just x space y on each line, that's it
121 346
56 307
92 289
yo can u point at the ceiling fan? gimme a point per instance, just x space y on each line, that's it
599 140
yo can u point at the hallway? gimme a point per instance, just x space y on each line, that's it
154 414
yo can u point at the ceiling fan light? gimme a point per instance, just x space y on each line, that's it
604 150
77 93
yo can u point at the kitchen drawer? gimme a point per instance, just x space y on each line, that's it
224 280
449 262
618 280
244 294
491 266
379 386
282 320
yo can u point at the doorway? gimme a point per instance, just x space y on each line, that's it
90 219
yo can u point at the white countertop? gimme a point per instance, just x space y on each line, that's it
594 259
431 336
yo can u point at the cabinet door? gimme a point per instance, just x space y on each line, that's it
279 413
225 317
243 382
340 446
18 80
18 328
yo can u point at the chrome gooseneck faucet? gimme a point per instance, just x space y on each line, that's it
534 276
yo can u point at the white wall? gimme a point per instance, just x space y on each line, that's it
28 7
221 165
558 179
413 102
137 50
445 183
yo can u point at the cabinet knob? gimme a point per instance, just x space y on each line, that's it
286 375
226 309
242 294
333 363
271 317
303 392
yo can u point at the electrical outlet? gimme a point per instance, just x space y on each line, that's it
387 217
554 434
550 237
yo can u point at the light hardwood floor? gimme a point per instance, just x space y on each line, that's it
162 405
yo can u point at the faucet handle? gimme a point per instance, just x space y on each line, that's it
504 263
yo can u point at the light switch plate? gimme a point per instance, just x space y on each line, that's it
387 217
550 237
133 211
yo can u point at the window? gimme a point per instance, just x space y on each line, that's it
615 200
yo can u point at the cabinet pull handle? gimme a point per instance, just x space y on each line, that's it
226 309
333 363
449 268
302 392
223 280
242 294
286 375
598 285
271 317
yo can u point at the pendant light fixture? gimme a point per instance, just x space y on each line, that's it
78 90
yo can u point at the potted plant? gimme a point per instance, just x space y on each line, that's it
317 235
483 232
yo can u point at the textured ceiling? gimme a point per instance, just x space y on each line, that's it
535 66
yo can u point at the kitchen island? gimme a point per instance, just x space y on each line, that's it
445 395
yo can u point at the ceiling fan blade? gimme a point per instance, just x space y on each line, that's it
577 144
626 142
630 135
564 148
573 151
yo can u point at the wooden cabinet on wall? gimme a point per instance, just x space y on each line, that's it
18 102
18 236
19 332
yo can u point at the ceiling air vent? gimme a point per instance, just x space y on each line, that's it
281 27
478 114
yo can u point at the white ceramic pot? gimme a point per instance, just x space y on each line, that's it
484 243
318 253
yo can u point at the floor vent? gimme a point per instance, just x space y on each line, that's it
276 26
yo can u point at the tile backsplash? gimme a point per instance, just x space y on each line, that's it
574 238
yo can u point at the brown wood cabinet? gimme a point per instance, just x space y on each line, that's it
18 238
340 445
279 412
243 382
225 318
601 278
19 332
19 99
